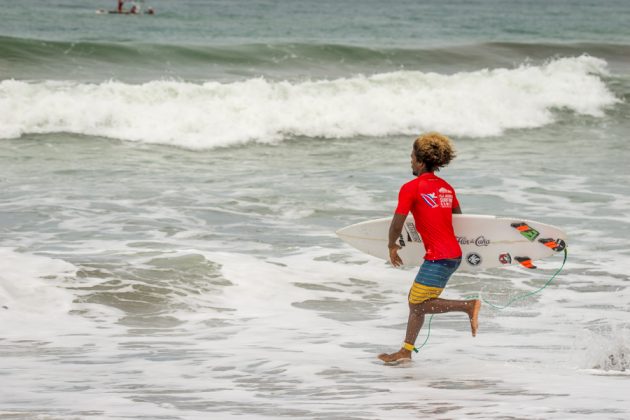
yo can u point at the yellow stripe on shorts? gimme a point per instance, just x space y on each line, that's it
419 293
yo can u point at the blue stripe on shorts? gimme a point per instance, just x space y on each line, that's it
437 272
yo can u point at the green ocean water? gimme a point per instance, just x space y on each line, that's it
227 40
365 22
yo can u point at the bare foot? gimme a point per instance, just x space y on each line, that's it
400 356
474 317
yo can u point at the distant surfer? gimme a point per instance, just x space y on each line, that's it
432 201
134 10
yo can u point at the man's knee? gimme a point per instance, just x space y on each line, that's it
419 308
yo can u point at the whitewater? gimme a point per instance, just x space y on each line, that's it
214 114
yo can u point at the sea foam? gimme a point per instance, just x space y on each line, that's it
200 116
30 299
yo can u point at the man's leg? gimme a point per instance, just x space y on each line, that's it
440 306
432 306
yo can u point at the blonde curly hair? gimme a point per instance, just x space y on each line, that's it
434 149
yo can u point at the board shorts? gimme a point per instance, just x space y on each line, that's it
432 278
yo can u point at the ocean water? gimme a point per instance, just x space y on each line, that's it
170 186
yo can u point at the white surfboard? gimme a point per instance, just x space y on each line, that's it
486 241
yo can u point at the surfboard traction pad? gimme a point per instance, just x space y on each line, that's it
531 234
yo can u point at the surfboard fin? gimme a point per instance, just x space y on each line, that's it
556 245
525 262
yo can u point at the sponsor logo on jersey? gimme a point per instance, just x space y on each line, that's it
446 198
430 200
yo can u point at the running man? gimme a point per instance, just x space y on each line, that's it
432 201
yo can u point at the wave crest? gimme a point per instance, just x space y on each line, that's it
212 114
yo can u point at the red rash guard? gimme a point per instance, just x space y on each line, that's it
431 200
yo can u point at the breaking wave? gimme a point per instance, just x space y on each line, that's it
213 114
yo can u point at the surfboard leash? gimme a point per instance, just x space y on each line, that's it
526 295
501 307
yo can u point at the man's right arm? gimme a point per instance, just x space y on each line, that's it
395 229
405 200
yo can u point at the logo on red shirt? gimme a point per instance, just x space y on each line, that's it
430 200
446 198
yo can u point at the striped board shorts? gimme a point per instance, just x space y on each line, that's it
432 278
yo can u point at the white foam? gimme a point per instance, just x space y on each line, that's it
283 343
605 348
30 299
480 103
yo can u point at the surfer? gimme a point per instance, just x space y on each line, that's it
432 201
134 10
